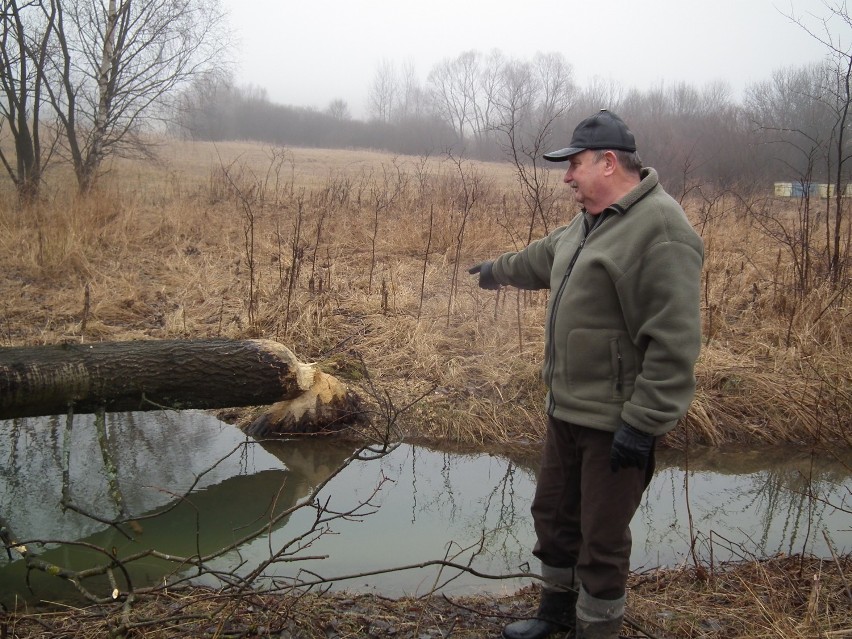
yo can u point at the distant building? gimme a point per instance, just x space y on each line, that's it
797 189
783 189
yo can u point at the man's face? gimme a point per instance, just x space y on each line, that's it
585 176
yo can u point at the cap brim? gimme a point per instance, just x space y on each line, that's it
562 154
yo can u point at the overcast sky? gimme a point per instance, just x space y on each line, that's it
309 52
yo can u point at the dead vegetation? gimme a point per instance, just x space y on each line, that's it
338 254
358 261
789 597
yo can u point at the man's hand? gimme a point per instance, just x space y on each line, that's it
630 447
486 277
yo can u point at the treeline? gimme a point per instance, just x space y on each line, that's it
216 109
790 127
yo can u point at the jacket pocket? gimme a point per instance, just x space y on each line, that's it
597 365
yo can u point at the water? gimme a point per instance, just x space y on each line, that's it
198 487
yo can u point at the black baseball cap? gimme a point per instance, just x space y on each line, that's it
603 130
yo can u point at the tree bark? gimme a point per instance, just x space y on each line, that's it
154 374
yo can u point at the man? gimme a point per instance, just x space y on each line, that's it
622 336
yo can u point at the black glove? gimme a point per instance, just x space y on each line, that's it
486 277
630 447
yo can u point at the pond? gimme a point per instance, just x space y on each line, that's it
194 486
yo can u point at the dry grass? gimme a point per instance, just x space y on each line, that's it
205 244
778 598
781 597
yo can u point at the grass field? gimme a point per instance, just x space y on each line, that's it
358 261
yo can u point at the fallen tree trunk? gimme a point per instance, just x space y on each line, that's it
181 374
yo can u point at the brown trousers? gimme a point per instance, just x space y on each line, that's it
582 509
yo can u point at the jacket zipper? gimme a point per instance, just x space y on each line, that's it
619 382
557 299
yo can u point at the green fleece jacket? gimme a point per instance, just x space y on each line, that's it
623 322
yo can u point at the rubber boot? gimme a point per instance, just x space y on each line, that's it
599 629
556 613
599 618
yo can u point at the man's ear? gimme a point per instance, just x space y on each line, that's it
611 162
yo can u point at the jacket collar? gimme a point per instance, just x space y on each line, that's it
649 180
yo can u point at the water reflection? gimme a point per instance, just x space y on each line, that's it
730 505
192 485
412 506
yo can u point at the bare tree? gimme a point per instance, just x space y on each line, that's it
800 112
471 186
485 109
208 108
339 110
24 48
601 93
116 64
395 94
694 136
840 92
531 99
791 121
384 191
453 87
383 96
410 103
836 95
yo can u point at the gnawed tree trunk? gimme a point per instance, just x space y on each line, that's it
181 374
326 407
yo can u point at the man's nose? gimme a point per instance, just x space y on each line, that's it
567 177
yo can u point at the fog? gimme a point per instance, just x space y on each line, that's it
308 54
